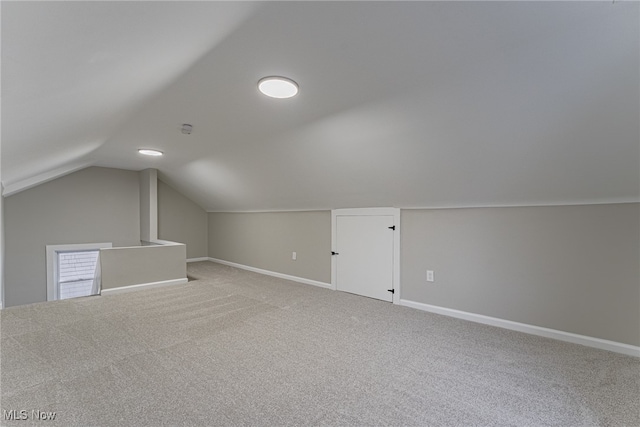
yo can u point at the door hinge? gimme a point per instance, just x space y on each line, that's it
393 291
393 227
334 253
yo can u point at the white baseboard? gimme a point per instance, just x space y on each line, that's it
143 286
273 273
204 258
614 346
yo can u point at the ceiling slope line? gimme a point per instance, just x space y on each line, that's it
41 178
613 201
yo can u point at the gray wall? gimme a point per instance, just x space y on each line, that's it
571 268
92 205
266 240
181 220
2 302
142 265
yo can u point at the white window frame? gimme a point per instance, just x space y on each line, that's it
52 262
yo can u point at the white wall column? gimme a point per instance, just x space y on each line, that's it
148 205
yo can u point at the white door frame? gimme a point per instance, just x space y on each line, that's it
395 212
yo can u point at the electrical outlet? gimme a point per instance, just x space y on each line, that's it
294 256
430 276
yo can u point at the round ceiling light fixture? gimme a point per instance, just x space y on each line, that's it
278 87
148 152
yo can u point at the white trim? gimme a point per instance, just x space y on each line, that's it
145 244
273 273
142 286
52 265
161 242
614 201
365 211
395 212
157 242
269 211
204 258
41 178
599 343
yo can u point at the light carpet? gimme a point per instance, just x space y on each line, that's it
235 348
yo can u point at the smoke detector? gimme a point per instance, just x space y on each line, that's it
186 129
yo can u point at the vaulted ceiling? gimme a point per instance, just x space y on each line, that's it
406 104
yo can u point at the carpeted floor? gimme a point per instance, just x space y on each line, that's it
237 348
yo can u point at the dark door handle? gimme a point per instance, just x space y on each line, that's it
334 253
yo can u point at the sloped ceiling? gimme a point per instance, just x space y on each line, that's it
406 104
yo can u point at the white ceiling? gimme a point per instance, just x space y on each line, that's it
406 104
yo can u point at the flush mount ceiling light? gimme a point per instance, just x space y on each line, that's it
148 152
278 87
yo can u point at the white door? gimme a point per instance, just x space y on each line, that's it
364 255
